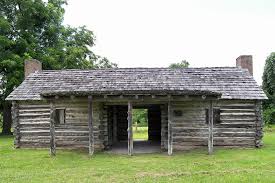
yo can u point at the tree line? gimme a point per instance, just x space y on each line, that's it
35 29
268 86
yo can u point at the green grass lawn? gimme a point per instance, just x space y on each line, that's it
225 165
141 133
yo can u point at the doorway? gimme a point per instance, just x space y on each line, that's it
140 124
146 128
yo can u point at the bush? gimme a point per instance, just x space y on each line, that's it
269 116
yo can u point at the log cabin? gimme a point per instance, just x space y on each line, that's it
188 108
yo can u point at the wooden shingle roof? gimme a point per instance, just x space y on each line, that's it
230 82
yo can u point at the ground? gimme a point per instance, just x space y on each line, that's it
140 133
225 165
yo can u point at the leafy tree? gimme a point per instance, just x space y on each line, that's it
34 29
140 117
182 64
269 88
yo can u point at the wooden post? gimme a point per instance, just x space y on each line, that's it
130 130
15 121
210 128
52 130
114 124
90 124
170 135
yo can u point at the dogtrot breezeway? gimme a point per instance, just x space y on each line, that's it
149 140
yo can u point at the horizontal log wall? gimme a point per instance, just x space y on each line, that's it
34 123
241 124
237 126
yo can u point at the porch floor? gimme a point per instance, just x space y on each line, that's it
140 147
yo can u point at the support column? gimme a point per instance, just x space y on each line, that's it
130 129
90 125
114 124
15 121
170 135
210 128
52 130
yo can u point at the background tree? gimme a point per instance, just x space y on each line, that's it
269 88
182 64
140 117
34 29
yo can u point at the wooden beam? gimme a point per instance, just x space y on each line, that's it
52 130
130 129
15 121
114 124
170 135
210 128
90 124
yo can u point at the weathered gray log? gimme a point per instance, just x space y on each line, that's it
164 124
15 121
210 128
90 124
170 135
114 124
52 130
130 129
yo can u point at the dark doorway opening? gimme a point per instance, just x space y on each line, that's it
147 141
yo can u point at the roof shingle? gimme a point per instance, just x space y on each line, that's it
231 82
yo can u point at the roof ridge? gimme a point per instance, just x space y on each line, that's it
136 68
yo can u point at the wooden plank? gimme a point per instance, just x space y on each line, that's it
130 129
170 148
52 130
90 124
210 129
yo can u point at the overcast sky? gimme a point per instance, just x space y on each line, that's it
156 33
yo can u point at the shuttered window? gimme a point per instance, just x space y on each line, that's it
60 116
216 116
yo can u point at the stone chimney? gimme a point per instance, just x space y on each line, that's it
245 62
32 66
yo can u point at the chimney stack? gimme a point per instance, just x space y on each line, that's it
32 66
245 62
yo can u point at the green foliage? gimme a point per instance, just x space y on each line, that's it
225 165
182 64
140 116
34 29
269 89
269 115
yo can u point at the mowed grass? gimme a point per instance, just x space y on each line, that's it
225 165
140 133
